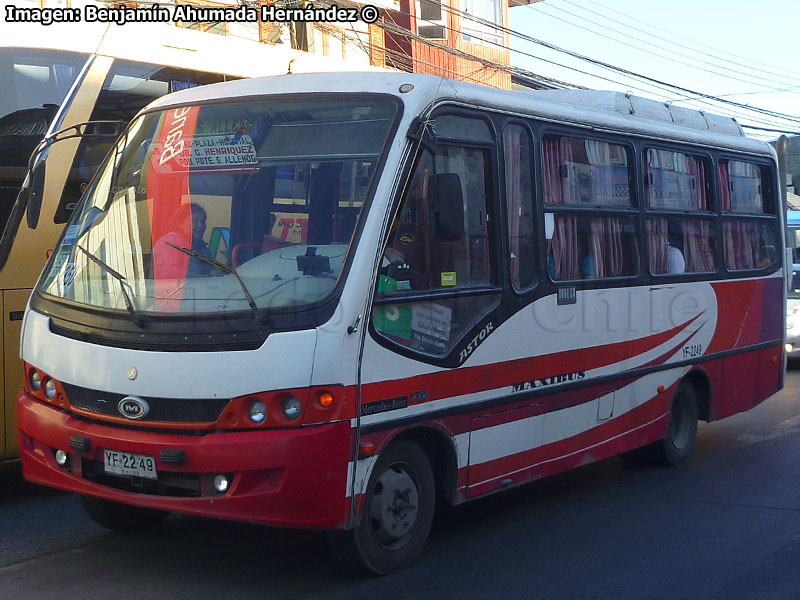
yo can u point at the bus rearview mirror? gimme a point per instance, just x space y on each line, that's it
34 191
447 203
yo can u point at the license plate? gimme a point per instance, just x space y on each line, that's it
126 463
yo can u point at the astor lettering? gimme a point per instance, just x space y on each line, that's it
475 342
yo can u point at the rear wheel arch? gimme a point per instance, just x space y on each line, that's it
700 381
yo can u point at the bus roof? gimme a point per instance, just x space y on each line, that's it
579 107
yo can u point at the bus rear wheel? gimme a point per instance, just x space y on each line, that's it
121 517
677 445
397 513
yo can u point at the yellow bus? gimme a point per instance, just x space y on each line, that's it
57 76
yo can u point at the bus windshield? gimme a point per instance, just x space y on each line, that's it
224 207
35 84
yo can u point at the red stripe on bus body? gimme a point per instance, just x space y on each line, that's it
457 382
737 314
650 432
648 412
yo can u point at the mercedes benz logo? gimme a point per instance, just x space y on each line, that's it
133 407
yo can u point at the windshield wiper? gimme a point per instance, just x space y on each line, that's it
122 283
225 269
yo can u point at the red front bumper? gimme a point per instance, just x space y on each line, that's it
288 477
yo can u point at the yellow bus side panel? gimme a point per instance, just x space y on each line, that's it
14 302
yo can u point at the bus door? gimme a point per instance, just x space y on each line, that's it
436 291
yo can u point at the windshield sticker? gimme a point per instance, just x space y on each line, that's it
448 278
430 326
222 153
58 262
71 271
70 234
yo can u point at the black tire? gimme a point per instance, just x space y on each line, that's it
676 447
397 514
121 517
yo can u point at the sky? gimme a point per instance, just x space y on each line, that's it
740 51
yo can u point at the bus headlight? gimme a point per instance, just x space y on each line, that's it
61 458
50 388
257 411
221 483
35 380
292 408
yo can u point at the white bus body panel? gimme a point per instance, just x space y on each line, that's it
284 361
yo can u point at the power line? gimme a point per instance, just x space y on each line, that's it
541 10
668 40
653 80
692 41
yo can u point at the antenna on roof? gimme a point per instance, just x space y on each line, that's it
289 71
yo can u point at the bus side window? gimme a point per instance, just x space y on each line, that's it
600 241
519 206
749 224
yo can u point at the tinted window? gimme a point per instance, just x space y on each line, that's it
129 87
35 83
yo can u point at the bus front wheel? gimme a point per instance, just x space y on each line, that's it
121 517
397 513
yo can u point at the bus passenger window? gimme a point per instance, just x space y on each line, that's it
681 245
749 225
679 181
519 207
600 241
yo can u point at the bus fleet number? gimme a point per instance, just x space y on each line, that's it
692 351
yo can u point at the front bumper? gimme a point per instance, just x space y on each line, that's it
287 477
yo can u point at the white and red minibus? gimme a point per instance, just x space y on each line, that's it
331 300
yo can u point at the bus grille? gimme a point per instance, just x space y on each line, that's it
175 410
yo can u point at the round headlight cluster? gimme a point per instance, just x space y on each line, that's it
257 411
35 381
50 388
292 408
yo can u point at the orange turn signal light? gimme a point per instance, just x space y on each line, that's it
326 399
661 388
366 449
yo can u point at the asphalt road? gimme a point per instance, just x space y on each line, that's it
724 526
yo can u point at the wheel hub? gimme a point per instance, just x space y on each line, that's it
394 506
